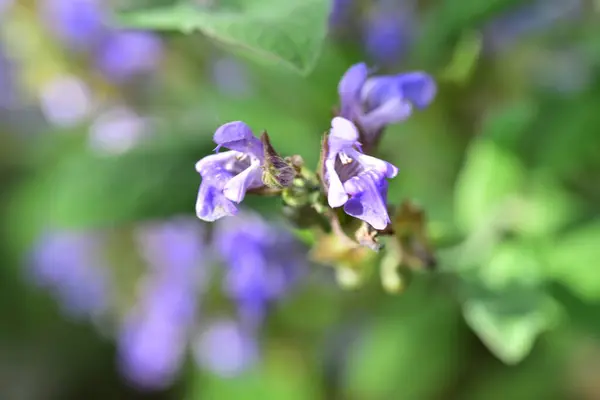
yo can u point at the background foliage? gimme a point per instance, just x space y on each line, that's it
506 163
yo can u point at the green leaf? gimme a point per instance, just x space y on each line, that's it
490 178
86 190
547 207
582 315
448 18
464 60
508 124
574 260
290 33
508 322
512 263
283 373
402 354
523 381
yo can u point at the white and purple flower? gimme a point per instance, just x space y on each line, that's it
227 176
374 102
353 179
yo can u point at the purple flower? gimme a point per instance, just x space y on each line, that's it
340 12
355 180
374 102
263 261
119 54
387 31
226 348
155 334
227 176
118 130
77 23
71 266
151 350
5 5
124 54
66 101
174 248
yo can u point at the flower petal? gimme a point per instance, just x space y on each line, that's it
207 164
378 90
370 162
368 199
349 88
236 188
212 204
336 195
239 137
343 135
392 111
417 87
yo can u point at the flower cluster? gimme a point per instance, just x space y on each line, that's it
349 176
167 317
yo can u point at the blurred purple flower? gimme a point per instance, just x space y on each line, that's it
77 23
155 334
125 54
117 131
387 31
372 103
231 77
119 54
226 348
65 101
227 176
355 180
71 266
340 13
5 5
151 350
508 27
263 262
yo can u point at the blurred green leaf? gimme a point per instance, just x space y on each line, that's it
490 176
509 321
540 376
464 60
286 32
581 314
410 352
508 124
547 207
85 189
512 263
283 374
449 18
574 260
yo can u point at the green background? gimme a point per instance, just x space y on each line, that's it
506 163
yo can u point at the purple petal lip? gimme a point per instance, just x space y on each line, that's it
377 101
